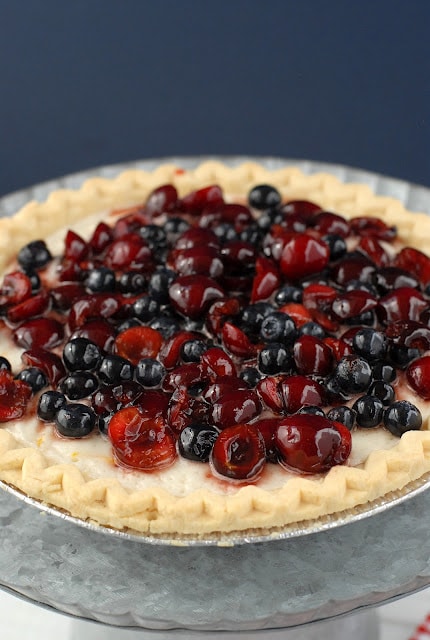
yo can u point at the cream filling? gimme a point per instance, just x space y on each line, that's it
93 455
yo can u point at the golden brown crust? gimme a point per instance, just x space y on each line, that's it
155 511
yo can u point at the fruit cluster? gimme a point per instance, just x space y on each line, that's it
234 334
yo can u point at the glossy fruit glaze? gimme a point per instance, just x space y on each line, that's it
219 332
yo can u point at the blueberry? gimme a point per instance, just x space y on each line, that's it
192 350
128 324
159 283
288 293
34 377
34 279
400 356
115 369
75 420
34 255
312 329
274 358
343 414
103 422
149 372
80 354
78 385
145 308
166 325
269 218
101 280
252 234
353 374
311 410
278 327
225 232
49 403
384 371
370 344
132 282
154 235
5 364
264 196
253 316
336 244
196 441
402 416
383 391
369 411
251 376
333 391
173 228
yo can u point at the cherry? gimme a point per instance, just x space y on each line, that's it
75 248
162 200
374 250
185 409
44 333
327 222
304 208
239 405
93 306
300 390
353 303
101 238
196 201
267 427
130 223
374 227
404 303
98 331
269 390
64 295
14 396
318 299
388 278
137 343
197 260
239 453
418 376
237 215
297 312
51 364
16 288
216 362
170 352
409 333
339 347
303 256
219 312
311 443
352 267
130 252
238 253
266 280
141 440
154 401
237 342
221 385
415 262
35 306
185 375
192 295
312 356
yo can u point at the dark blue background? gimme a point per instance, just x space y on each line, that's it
94 82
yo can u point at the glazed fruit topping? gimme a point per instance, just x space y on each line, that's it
230 333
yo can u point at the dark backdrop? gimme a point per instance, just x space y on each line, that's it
94 82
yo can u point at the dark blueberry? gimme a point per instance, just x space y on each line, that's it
369 411
252 234
100 280
196 442
251 376
103 422
333 391
34 279
80 354
75 420
288 293
192 350
34 377
132 282
370 344
384 371
154 235
49 403
400 356
402 416
274 358
253 316
159 283
357 285
174 227
312 410
278 327
368 319
336 244
343 414
34 255
149 372
166 325
312 329
383 391
269 218
114 369
78 385
128 324
264 196
353 374
5 364
225 232
145 308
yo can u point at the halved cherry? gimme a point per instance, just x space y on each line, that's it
327 222
197 237
298 391
371 226
51 364
183 376
416 262
239 453
237 342
350 304
64 295
130 252
239 405
161 200
196 201
170 352
192 295
418 376
44 333
98 331
222 385
30 308
269 390
185 409
302 256
216 362
268 427
137 343
374 249
297 312
75 247
266 279
141 440
92 307
312 444
312 356
101 238
14 397
404 303
197 260
219 312
15 288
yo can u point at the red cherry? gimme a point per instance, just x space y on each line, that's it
299 391
130 223
327 222
297 312
304 208
196 201
239 405
141 441
35 306
237 253
415 262
219 312
353 303
267 427
162 200
183 376
154 401
356 267
409 333
64 295
418 376
98 331
184 409
312 444
303 256
318 299
404 303
193 295
14 396
51 364
197 260
222 385
312 356
170 352
137 343
216 362
374 250
101 238
197 237
75 247
239 453
266 279
237 342
92 306
69 271
237 215
130 252
16 288
370 226
339 347
44 333
269 390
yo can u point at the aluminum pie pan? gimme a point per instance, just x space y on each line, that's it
414 197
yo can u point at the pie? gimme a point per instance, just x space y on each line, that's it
217 350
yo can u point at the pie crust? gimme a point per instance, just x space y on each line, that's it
154 510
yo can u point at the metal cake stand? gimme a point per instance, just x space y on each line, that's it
322 581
